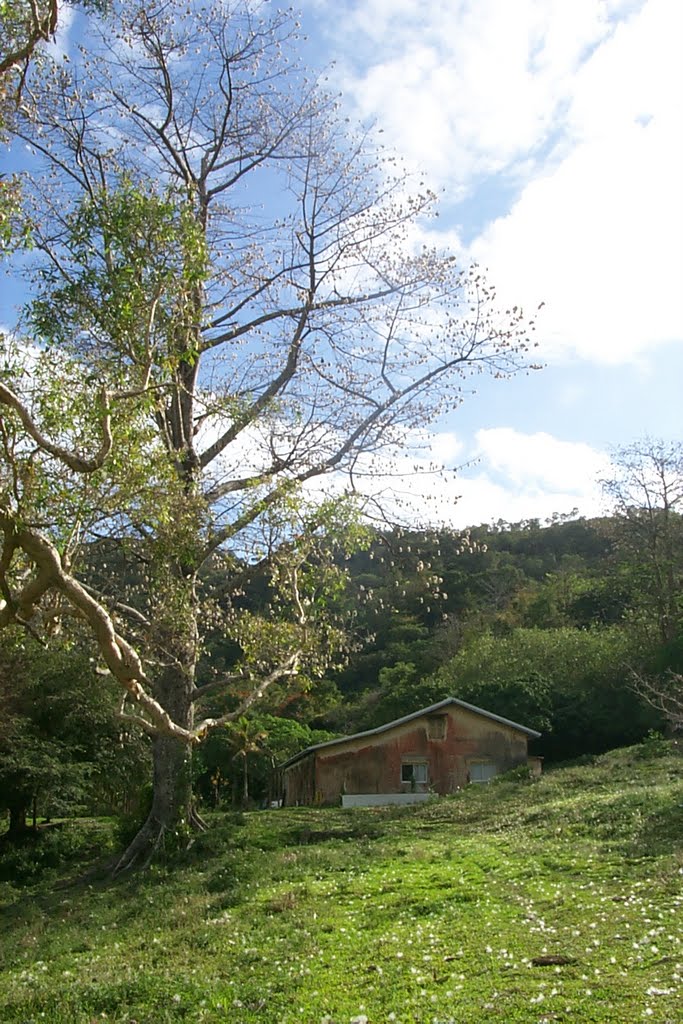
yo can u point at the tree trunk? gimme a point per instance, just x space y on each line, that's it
175 643
17 818
245 789
172 814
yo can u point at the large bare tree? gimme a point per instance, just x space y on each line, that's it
231 302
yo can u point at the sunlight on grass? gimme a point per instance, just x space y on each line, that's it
559 900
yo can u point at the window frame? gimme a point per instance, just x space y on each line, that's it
437 728
473 765
413 763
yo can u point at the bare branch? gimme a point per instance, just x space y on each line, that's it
665 695
289 667
120 658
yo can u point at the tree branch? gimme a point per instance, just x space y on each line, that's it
40 30
76 462
289 667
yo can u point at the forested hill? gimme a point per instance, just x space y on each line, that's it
544 624
556 626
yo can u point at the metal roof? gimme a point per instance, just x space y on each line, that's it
409 718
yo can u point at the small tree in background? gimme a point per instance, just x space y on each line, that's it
665 694
245 737
647 493
272 740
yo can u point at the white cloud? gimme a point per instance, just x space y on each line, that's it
505 474
463 87
521 476
576 106
529 461
599 237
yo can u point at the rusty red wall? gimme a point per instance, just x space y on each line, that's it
373 764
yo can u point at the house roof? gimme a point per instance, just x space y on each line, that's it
409 718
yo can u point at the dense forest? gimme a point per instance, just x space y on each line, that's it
571 627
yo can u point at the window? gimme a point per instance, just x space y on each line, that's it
436 727
482 772
414 772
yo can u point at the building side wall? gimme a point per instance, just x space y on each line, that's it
373 764
299 783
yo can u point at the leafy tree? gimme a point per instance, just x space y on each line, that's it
227 306
271 738
23 25
61 747
246 737
571 684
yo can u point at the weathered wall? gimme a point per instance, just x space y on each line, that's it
373 764
299 782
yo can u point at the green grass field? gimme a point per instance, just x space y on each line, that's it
554 901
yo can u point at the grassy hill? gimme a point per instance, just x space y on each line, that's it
533 902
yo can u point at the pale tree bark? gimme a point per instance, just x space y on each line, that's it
224 352
665 694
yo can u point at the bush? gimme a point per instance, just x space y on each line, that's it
654 745
522 773
27 858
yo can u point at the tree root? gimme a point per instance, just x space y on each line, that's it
196 822
150 841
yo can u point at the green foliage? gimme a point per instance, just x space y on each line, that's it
14 232
251 748
654 745
539 624
52 848
139 296
570 684
133 817
522 773
61 749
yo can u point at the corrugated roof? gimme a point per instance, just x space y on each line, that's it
409 718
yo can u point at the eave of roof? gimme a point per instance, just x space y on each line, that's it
409 718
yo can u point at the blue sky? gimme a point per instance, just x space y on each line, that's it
553 130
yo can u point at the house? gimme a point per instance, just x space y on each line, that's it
436 750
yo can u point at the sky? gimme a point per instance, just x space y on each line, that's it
553 133
553 130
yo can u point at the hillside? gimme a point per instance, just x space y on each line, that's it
557 900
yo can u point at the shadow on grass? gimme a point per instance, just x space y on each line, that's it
661 831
